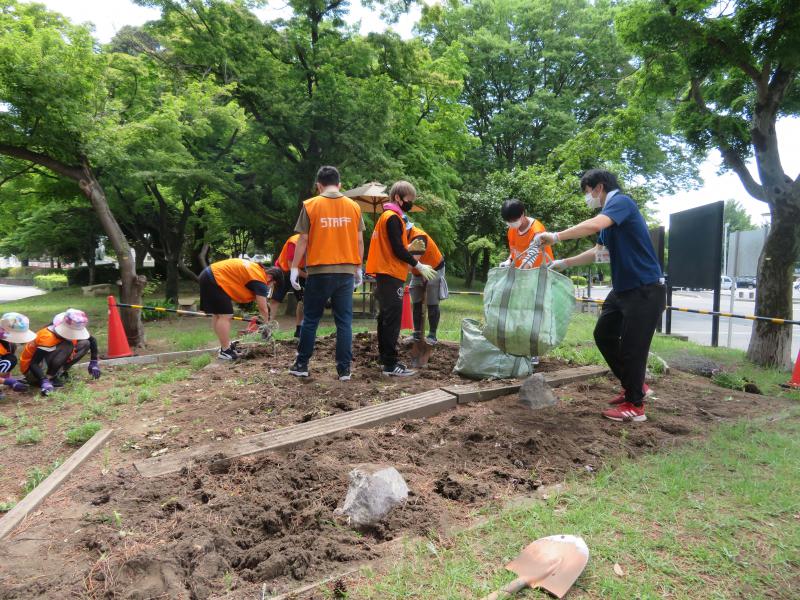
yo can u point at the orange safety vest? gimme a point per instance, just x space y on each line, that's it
4 350
234 273
381 258
45 338
519 243
432 255
333 234
283 262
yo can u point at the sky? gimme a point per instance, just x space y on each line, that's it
108 16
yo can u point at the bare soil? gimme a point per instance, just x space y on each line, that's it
269 519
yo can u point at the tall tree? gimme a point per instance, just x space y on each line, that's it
731 71
53 96
736 217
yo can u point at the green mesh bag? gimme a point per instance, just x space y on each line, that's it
479 359
527 311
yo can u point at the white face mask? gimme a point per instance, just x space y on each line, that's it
515 225
591 201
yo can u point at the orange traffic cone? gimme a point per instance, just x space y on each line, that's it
117 340
795 380
407 320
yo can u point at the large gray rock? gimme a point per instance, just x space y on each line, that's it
536 393
374 491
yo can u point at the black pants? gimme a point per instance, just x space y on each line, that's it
7 363
624 331
59 360
389 292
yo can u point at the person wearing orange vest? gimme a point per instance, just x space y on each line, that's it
14 329
331 240
522 229
389 261
284 263
234 280
46 360
424 249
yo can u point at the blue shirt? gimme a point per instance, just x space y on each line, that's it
633 259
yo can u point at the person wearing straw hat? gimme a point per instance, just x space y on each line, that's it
14 329
47 359
235 280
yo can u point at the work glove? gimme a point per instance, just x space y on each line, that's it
94 369
545 239
358 279
505 263
294 278
46 387
16 384
558 265
426 271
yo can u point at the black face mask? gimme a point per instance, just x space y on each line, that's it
406 206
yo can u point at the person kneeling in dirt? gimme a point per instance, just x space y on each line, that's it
430 292
47 359
235 280
331 241
284 263
14 329
633 309
388 261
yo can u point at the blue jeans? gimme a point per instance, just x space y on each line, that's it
319 288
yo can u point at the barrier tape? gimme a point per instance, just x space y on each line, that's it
773 320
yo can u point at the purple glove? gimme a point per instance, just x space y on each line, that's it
46 387
94 369
16 384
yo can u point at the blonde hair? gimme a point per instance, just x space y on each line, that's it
402 188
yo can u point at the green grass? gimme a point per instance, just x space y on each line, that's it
6 422
31 435
717 520
80 434
37 475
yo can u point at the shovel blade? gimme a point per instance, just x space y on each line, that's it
420 353
552 563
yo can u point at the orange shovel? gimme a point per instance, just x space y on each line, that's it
552 563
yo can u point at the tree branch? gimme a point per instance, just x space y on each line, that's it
68 171
8 178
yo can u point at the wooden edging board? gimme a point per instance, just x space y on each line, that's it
148 359
471 393
17 514
417 406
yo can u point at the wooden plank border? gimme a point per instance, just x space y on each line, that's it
18 514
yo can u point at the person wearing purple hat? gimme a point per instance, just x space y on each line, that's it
46 360
14 329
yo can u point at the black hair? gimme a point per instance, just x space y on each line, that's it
512 209
328 175
276 274
594 176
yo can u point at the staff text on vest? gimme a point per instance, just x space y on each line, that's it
335 221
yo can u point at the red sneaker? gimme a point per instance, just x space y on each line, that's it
621 397
625 412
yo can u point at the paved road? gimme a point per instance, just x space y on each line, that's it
9 293
698 327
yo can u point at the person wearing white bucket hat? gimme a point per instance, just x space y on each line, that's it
46 360
14 329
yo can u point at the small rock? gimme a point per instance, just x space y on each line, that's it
536 393
374 491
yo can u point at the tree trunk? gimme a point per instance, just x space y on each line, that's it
472 259
770 344
485 264
132 284
172 280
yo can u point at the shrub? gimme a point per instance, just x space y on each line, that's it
50 282
579 280
31 435
5 271
79 435
153 315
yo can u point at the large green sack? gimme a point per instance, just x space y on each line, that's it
527 311
479 359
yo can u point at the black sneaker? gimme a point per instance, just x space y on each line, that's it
399 370
298 370
345 375
228 354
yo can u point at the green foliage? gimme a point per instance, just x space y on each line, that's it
30 435
579 280
50 282
736 217
37 475
154 315
729 380
77 436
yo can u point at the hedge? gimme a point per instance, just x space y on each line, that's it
50 282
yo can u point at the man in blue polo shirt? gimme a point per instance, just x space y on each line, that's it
633 309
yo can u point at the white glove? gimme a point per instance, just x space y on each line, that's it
426 271
545 239
358 278
294 276
558 265
505 263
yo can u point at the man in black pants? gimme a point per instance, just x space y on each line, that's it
633 309
389 261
